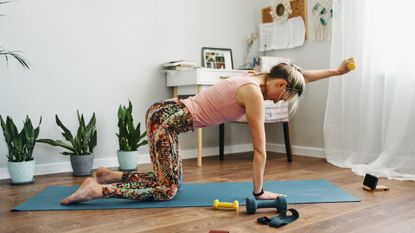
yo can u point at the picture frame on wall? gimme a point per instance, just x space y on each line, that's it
217 58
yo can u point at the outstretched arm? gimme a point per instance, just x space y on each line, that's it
314 75
254 110
252 100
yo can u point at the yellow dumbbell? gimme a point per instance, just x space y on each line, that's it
351 66
231 205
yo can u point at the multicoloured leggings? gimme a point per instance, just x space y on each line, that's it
164 121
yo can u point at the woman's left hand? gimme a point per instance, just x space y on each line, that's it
270 196
343 69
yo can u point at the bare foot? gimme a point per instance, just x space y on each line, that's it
104 175
88 190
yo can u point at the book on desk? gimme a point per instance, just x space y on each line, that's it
179 65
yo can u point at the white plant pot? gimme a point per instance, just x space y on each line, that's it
21 172
128 160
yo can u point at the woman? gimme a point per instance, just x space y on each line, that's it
225 101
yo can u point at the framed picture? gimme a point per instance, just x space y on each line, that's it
217 58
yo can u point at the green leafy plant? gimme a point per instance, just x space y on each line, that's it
20 144
84 141
129 137
13 54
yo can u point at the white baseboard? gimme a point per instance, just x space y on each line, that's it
298 150
214 151
51 168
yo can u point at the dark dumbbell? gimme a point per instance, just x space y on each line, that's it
252 204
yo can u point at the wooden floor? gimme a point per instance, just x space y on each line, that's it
392 211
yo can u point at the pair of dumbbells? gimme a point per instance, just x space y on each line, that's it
252 204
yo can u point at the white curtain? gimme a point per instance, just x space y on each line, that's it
369 123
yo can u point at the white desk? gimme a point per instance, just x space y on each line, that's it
193 81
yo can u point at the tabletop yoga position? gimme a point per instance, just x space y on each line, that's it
225 101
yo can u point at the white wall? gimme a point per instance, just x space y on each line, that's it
94 55
307 125
306 128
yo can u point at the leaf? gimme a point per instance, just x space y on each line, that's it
57 143
130 106
15 55
18 144
29 136
121 114
124 145
68 153
37 129
144 142
82 139
8 138
6 132
11 127
93 142
77 145
66 133
92 123
3 124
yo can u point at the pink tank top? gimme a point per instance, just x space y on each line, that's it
217 104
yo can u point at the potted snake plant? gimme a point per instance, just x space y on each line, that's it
80 147
21 163
130 139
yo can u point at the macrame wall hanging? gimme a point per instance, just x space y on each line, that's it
322 11
280 10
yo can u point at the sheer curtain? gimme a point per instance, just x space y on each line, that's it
369 123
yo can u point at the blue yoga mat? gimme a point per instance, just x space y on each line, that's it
195 194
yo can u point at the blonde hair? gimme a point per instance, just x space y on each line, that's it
292 74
